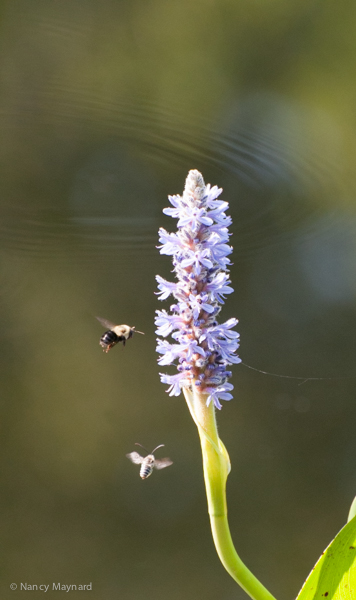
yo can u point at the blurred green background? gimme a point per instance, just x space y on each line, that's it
104 107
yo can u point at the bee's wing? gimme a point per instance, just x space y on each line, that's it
135 458
163 463
106 323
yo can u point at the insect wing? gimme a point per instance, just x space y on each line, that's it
163 463
106 323
135 457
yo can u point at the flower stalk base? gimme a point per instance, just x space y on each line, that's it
216 465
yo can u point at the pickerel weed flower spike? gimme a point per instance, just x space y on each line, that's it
202 348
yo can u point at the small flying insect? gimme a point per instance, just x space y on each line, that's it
148 463
115 334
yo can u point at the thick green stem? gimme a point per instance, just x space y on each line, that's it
216 465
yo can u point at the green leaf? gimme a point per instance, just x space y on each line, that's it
334 575
352 512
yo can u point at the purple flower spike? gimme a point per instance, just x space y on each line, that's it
202 348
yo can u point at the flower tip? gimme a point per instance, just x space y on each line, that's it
196 176
194 183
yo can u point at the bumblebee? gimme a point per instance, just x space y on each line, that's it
148 463
115 334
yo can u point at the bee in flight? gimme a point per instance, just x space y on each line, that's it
115 334
148 462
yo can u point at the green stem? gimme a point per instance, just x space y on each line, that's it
216 465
